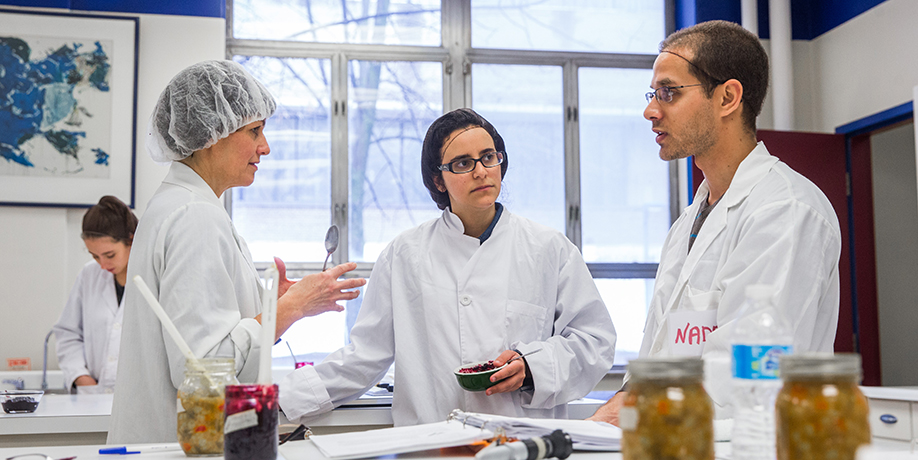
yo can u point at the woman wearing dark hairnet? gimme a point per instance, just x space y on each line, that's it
209 124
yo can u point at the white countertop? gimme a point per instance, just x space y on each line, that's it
307 450
92 413
299 450
892 393
61 414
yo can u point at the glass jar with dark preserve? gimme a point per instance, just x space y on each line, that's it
821 413
251 422
201 406
667 413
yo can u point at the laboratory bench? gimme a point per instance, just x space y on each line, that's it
64 420
307 450
893 412
300 450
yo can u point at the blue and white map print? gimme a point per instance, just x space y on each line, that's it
55 107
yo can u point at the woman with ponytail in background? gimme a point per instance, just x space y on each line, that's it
89 330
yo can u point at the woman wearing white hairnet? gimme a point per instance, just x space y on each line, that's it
209 123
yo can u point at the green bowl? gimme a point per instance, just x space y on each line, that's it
475 381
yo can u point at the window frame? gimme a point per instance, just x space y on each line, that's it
457 56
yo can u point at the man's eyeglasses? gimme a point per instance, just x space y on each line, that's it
466 165
665 93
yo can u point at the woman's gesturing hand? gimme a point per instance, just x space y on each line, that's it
315 294
320 292
283 283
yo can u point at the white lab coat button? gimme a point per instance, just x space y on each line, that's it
112 359
657 347
465 300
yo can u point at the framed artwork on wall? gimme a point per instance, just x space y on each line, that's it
68 98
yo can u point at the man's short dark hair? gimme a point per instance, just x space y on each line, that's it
439 131
723 50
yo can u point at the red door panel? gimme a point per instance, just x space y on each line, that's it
821 158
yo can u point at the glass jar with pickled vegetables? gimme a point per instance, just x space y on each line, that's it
200 406
667 414
821 413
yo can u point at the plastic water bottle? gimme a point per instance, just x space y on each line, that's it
761 336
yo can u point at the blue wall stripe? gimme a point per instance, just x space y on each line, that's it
685 14
202 8
878 120
38 3
809 18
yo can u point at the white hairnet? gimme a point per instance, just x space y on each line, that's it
203 104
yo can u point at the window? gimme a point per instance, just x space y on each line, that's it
390 106
286 211
525 103
359 81
608 26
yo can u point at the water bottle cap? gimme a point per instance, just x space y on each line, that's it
759 291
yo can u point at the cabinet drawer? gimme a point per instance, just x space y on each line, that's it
891 419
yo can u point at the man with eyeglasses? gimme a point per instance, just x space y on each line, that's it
753 220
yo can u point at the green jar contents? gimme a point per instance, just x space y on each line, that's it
821 413
667 414
201 406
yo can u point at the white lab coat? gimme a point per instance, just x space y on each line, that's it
88 332
188 253
772 226
437 299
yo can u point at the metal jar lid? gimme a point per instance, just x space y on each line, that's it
666 368
820 365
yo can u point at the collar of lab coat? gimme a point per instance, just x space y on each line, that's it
455 226
750 172
182 175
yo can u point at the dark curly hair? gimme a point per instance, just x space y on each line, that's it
432 154
722 51
112 218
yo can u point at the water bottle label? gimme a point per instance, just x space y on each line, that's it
628 418
759 362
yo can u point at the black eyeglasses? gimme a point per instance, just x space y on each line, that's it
467 165
665 93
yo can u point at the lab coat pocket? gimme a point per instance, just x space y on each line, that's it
695 300
526 322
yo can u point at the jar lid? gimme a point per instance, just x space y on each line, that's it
820 364
211 365
666 368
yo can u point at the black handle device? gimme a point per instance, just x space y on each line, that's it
556 445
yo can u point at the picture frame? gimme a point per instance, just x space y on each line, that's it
68 108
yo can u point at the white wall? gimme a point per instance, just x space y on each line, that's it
40 248
864 66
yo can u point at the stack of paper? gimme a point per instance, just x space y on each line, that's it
463 428
587 435
398 440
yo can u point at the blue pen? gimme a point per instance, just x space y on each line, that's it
127 450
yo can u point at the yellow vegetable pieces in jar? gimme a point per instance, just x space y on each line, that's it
674 420
200 425
821 419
